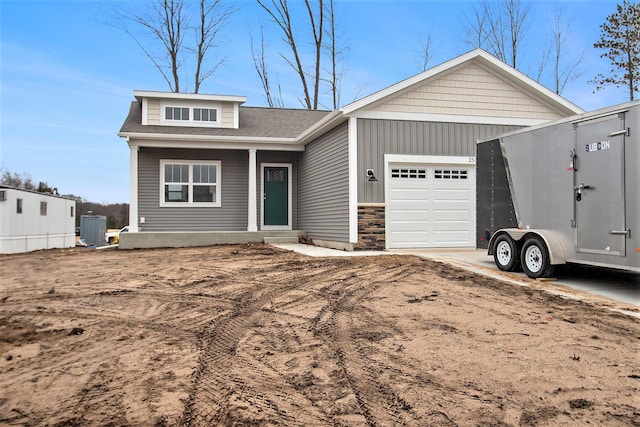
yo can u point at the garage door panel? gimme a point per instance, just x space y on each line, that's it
409 194
461 215
436 210
417 215
444 194
451 238
408 226
410 239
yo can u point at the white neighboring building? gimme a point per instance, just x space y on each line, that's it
31 221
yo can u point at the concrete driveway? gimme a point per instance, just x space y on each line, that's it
570 281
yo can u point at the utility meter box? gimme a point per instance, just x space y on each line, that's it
93 229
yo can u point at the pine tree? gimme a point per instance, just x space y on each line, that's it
620 38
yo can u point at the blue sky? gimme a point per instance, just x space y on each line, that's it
67 73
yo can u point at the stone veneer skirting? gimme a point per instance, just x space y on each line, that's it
371 227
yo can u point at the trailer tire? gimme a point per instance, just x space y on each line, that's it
535 258
506 253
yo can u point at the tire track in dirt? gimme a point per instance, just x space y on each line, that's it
214 382
249 335
217 343
338 324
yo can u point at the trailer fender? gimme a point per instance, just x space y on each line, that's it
554 246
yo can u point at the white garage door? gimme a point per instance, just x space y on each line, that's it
430 206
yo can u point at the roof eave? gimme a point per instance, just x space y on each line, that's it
205 138
139 94
322 126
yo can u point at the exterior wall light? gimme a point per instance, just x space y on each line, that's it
371 175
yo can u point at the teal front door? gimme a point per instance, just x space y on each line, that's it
276 196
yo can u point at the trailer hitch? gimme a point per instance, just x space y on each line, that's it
579 190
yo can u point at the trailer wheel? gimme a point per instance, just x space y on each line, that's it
506 254
535 258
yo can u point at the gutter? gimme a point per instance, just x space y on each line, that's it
206 138
219 143
327 122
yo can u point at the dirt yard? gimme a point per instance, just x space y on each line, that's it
253 335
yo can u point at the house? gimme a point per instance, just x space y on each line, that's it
30 221
395 169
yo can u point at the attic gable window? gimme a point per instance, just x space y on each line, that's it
205 114
176 113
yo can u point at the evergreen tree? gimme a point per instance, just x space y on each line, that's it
620 38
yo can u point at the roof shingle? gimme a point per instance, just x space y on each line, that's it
254 122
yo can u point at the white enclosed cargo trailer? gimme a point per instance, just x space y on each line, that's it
563 192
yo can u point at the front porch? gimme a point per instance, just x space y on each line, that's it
180 239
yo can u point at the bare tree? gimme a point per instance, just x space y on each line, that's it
166 23
544 62
496 34
336 51
425 52
318 32
212 15
564 70
261 68
163 21
476 26
499 28
620 38
518 16
317 26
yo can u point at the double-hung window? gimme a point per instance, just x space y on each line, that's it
190 183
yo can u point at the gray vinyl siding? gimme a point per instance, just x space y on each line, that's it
379 137
323 187
231 216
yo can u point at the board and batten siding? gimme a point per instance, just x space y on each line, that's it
323 187
231 216
379 137
470 90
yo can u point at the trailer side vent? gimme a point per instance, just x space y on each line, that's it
3 195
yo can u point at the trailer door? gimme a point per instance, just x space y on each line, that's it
599 186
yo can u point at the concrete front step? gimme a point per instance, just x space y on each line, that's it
182 239
281 239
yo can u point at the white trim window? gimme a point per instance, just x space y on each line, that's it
180 113
176 113
190 183
205 114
